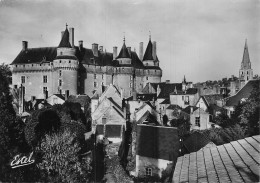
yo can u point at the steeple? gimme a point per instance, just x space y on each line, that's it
246 64
124 52
148 55
184 79
65 40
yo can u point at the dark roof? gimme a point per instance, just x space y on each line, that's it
157 142
189 91
196 141
81 99
60 96
65 40
113 130
166 101
149 118
153 67
145 97
237 161
188 109
173 107
148 55
211 99
35 55
124 52
67 57
166 88
243 93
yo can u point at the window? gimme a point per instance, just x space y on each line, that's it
130 93
44 90
22 79
60 73
131 78
69 62
95 76
102 84
44 79
146 78
148 171
197 121
182 98
102 76
95 84
130 85
60 61
60 82
61 53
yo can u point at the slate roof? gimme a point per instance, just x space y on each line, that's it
211 99
237 161
65 40
148 117
242 93
172 107
166 101
189 91
144 97
60 96
123 52
148 55
113 130
188 109
195 141
157 142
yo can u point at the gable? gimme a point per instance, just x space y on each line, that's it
112 92
202 104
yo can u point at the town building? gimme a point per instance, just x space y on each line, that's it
80 70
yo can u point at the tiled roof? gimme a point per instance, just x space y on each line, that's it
65 40
243 93
237 161
157 142
196 141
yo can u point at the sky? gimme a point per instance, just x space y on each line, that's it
201 39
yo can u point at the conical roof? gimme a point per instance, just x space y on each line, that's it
246 60
124 52
148 55
65 41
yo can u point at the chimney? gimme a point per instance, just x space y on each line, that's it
80 45
114 52
129 50
141 50
62 32
32 98
154 50
191 109
95 49
101 48
167 81
67 94
71 31
134 95
25 45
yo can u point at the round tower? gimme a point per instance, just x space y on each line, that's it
66 66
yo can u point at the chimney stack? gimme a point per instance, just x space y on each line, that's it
80 45
67 93
25 45
101 48
167 81
62 32
114 52
141 50
95 49
71 31
154 50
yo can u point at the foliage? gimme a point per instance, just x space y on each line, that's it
6 72
165 120
60 160
223 120
220 136
182 124
115 172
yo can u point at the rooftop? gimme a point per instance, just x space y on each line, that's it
237 161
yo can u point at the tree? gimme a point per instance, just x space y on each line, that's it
6 72
60 160
224 120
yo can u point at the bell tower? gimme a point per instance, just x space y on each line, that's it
245 72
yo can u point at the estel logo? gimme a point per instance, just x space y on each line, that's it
22 161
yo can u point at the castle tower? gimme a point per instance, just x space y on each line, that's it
66 66
245 72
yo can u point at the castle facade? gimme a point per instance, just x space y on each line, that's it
70 69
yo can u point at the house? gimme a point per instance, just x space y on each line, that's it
173 111
240 96
140 112
237 161
157 148
114 133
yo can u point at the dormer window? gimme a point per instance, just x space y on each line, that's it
61 53
69 61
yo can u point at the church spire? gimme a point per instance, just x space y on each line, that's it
246 60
